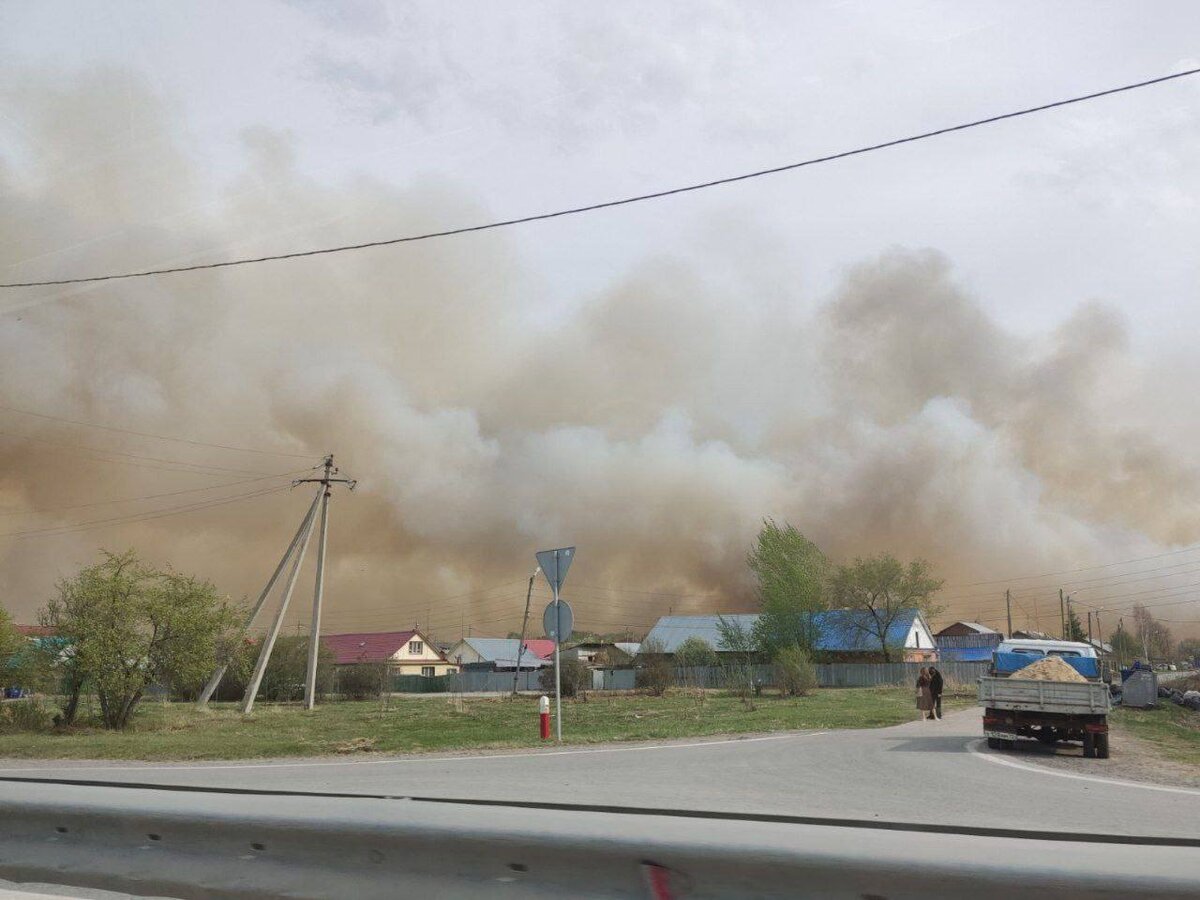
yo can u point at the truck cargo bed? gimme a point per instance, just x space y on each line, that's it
1067 697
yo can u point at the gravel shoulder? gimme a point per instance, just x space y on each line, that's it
1131 758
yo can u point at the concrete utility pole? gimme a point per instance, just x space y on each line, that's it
524 624
1089 626
264 655
295 552
314 635
211 687
1008 607
1062 614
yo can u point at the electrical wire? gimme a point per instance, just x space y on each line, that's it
1002 581
608 204
161 437
178 464
70 528
211 487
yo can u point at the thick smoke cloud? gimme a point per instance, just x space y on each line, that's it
654 424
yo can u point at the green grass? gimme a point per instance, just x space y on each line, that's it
180 732
1173 730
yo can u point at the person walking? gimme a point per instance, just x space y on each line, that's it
935 690
924 695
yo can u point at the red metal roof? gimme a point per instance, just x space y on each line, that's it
369 646
34 630
542 648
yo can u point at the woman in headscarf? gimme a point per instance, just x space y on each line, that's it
924 694
936 685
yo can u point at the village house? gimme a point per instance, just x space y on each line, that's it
405 652
500 654
842 635
967 642
602 653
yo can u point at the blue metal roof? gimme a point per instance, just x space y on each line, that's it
839 630
965 654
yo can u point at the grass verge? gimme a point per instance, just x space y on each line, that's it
180 732
1173 731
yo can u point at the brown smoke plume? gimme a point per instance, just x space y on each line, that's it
654 427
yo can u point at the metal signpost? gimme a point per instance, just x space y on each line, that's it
554 564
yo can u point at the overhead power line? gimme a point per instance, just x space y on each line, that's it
1123 562
173 465
70 528
161 437
608 204
212 487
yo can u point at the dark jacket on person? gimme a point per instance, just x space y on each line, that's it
935 684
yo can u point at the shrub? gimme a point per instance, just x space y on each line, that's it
655 671
576 678
694 653
738 662
29 714
284 678
362 681
794 672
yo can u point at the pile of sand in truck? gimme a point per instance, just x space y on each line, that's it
1049 668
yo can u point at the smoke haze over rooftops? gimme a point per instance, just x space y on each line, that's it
653 423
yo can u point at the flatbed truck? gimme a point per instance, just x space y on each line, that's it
1016 708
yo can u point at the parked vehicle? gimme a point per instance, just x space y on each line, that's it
1017 708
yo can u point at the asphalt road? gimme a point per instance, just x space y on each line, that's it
923 772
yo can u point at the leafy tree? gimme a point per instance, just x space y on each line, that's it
21 664
790 571
1153 635
876 591
740 646
128 627
11 643
1189 648
654 671
284 679
575 678
692 659
794 672
1125 646
694 653
1075 630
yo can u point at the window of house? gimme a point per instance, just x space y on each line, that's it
427 671
416 647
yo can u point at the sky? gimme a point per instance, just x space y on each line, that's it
974 349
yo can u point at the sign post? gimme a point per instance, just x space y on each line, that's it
554 565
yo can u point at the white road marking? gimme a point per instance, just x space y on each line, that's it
974 746
530 754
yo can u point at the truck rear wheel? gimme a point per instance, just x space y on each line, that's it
1102 746
994 743
1089 745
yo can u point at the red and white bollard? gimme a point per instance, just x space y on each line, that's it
544 715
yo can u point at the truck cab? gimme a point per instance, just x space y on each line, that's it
1030 647
1016 653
